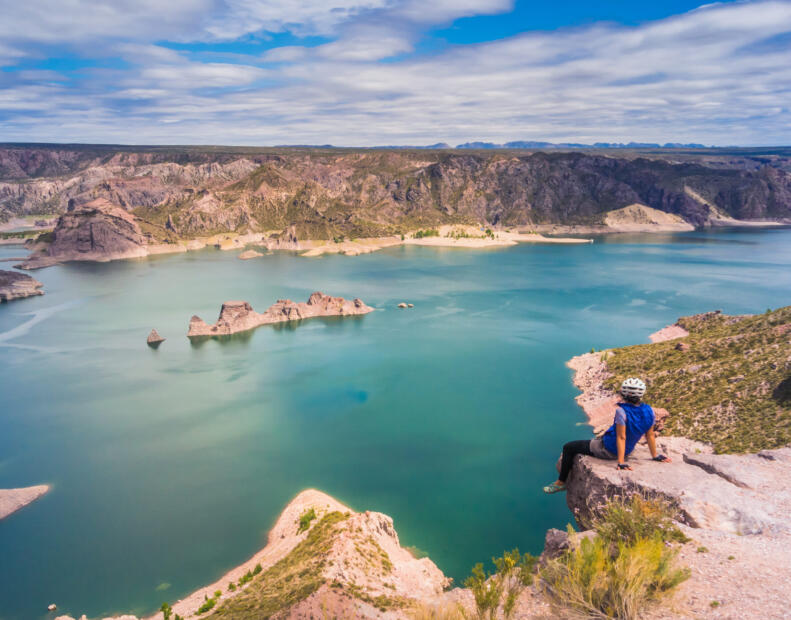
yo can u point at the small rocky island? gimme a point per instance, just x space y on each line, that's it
239 316
15 285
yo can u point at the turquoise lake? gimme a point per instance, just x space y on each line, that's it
169 466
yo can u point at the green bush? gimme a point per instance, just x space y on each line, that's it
513 573
257 569
304 520
166 610
429 232
208 604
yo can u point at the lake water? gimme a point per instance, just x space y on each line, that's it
169 466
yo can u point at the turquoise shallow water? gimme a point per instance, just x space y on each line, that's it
169 466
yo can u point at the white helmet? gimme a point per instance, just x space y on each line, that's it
633 387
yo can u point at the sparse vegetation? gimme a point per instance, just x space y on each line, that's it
731 387
429 232
625 568
627 519
287 582
305 519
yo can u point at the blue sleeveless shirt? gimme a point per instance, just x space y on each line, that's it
638 419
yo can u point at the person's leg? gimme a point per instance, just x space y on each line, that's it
570 450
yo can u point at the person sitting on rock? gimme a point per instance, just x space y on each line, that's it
633 419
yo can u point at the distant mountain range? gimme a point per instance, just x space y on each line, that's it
526 144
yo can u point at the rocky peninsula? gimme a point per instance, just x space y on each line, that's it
239 316
12 500
15 285
95 231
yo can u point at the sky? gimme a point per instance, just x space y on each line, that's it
394 72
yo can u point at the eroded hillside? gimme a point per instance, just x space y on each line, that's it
363 193
727 383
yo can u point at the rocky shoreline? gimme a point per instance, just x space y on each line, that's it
12 500
15 285
239 316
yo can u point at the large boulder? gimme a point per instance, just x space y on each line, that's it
95 231
15 285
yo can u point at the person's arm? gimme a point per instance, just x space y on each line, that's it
650 437
620 444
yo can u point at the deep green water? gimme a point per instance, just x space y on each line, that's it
169 466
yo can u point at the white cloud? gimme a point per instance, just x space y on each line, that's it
687 78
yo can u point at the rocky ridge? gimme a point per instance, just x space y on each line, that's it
370 193
239 316
15 285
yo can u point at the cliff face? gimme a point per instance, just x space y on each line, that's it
371 193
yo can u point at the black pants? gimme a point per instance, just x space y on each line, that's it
570 450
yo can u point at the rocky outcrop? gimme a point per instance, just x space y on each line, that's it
239 316
154 339
96 231
286 240
15 285
12 500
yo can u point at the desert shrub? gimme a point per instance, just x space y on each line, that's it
500 590
600 578
627 519
166 610
257 569
304 520
231 587
208 604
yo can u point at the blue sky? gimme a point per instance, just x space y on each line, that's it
368 72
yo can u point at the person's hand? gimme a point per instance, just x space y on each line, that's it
622 466
661 458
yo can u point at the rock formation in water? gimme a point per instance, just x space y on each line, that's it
154 339
12 500
15 285
239 316
248 254
96 231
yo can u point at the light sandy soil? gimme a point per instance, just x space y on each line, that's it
12 500
449 237
671 332
641 218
